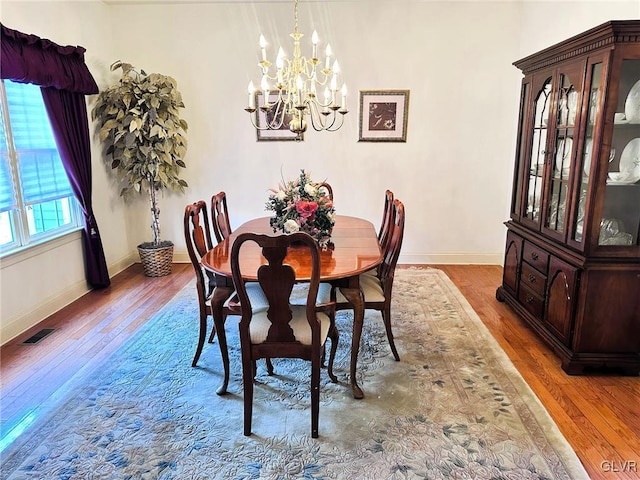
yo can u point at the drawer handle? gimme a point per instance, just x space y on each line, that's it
534 255
532 278
529 299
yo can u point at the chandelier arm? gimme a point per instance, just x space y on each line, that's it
339 126
319 124
333 116
314 116
278 116
314 126
256 126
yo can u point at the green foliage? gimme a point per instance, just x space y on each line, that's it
139 123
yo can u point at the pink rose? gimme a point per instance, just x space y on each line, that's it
306 209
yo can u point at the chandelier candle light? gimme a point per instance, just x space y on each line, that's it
297 81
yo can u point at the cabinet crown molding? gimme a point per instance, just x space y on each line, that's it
613 32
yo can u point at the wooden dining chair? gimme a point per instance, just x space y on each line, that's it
220 216
325 187
384 235
220 224
283 330
213 301
197 235
377 289
387 221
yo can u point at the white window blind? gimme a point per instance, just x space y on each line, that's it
7 197
36 194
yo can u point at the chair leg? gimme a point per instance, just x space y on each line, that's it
315 396
334 335
386 318
220 295
202 335
269 366
211 288
247 382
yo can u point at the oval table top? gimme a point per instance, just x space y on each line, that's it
355 250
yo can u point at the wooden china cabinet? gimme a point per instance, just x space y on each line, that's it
572 257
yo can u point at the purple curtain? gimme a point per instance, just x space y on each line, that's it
68 114
65 80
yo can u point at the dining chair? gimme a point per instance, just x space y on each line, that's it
221 225
212 298
387 220
385 228
377 289
197 235
283 330
327 188
220 216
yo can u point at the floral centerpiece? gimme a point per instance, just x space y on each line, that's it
301 206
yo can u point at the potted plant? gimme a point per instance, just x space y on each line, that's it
140 126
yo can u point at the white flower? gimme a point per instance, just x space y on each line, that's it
291 226
310 189
281 195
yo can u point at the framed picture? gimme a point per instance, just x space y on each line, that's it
383 115
263 118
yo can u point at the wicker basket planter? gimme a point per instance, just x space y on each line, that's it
156 260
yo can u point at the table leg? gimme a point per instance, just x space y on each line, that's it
356 299
220 295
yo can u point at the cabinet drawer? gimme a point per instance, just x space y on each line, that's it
535 256
531 301
533 279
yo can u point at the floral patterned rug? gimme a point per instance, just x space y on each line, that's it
454 407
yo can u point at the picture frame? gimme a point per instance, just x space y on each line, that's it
283 134
383 115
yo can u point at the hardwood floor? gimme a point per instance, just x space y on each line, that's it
599 415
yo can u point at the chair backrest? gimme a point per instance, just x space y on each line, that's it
324 186
384 235
390 260
197 236
277 280
220 216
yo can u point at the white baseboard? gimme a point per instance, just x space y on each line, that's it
452 258
20 324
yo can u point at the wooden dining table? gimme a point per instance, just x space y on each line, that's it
354 250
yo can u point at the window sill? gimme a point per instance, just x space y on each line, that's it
24 253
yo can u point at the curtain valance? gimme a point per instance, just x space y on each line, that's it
64 80
30 59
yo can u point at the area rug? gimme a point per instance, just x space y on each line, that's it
454 407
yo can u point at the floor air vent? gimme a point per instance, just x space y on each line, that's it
35 338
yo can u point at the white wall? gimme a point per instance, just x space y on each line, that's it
462 86
453 174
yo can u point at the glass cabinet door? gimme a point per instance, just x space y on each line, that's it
620 222
535 179
566 110
588 165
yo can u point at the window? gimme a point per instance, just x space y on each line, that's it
36 200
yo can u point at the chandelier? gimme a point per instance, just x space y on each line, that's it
292 93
